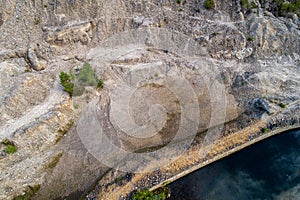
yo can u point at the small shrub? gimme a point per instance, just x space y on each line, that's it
282 105
215 33
251 39
10 149
244 4
159 194
264 130
209 4
76 106
142 194
118 180
37 21
179 1
87 75
100 83
253 5
66 82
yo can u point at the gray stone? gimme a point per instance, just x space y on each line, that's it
262 104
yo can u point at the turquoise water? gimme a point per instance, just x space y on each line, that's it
267 170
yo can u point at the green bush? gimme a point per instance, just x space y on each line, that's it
66 82
147 195
264 130
87 75
142 195
209 4
253 5
282 105
282 7
244 4
100 83
10 149
251 39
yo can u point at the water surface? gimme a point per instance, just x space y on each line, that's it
266 170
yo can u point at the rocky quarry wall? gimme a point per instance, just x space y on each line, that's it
241 63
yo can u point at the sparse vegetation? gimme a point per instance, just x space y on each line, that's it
283 8
215 33
209 4
66 82
179 1
166 183
53 162
282 105
30 191
250 38
100 83
7 142
10 147
253 5
76 106
118 180
37 20
86 77
264 130
159 194
244 4
143 195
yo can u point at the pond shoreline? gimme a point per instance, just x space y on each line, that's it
225 154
